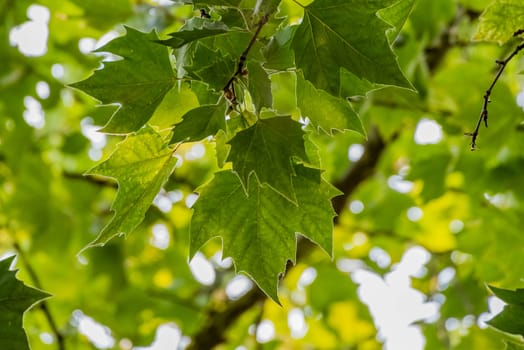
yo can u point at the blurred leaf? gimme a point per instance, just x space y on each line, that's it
500 20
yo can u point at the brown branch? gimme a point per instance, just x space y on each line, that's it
43 305
229 90
219 319
448 39
484 112
360 170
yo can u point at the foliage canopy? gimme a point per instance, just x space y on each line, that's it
261 130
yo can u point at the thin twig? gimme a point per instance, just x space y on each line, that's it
484 112
229 89
43 304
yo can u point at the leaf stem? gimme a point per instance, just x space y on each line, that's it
43 304
484 112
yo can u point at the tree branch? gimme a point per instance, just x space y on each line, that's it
484 112
43 305
448 39
360 170
229 90
219 319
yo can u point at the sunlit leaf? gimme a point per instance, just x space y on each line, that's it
141 164
138 82
500 20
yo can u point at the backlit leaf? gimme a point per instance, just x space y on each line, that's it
200 122
138 82
324 43
326 111
267 149
259 85
258 228
141 164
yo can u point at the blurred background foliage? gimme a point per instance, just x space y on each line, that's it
435 219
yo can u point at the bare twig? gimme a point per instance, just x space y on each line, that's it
484 112
43 304
229 89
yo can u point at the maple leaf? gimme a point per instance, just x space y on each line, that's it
259 85
15 299
138 82
324 43
141 164
210 66
258 227
267 149
324 110
200 123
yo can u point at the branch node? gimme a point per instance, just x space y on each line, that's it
229 91
484 111
518 32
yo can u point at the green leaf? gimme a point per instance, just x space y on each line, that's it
258 227
324 43
138 82
513 346
211 67
278 53
326 111
267 149
397 15
141 164
500 20
511 319
194 29
259 85
511 297
200 123
15 299
104 13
